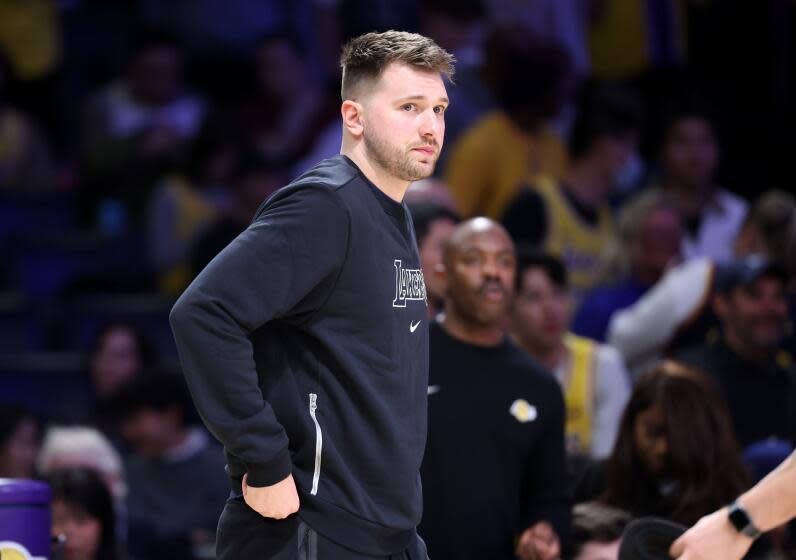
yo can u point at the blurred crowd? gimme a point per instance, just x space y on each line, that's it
636 152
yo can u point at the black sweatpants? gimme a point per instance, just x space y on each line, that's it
243 534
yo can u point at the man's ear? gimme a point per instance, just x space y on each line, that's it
353 117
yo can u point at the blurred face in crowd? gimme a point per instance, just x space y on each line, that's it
431 253
651 440
541 311
83 532
750 241
18 454
156 74
152 432
614 152
480 267
403 121
595 550
117 359
754 317
691 152
658 246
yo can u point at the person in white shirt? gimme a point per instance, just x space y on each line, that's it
689 157
644 331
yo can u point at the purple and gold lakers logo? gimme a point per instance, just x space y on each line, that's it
523 411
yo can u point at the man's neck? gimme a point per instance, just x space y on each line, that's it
689 199
174 440
549 357
751 354
391 186
466 331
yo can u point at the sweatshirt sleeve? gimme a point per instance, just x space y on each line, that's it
293 249
546 496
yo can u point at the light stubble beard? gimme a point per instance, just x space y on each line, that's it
397 162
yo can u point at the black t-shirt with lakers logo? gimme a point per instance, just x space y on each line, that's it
494 462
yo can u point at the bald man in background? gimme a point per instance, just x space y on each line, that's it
493 473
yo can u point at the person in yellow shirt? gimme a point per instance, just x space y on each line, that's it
490 160
593 377
570 217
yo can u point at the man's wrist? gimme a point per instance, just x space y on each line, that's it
740 519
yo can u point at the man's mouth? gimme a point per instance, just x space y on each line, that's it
493 292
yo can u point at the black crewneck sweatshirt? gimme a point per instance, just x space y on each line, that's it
305 347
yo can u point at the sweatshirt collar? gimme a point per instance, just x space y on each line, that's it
393 208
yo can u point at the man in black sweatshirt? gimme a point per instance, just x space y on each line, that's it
493 474
305 341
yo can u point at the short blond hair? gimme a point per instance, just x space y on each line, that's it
365 57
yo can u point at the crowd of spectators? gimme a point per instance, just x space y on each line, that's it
634 151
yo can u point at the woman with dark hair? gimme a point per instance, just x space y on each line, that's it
83 513
20 439
675 455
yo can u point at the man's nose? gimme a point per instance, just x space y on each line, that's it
490 269
429 124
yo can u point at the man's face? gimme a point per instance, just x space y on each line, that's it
404 122
541 310
431 249
148 430
756 314
479 276
18 454
750 241
83 531
117 359
660 238
691 152
615 151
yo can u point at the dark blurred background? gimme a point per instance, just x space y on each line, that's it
138 138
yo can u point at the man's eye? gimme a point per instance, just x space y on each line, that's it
439 109
408 107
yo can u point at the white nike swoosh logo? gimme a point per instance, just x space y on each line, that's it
433 389
413 326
